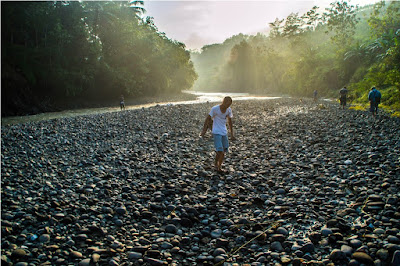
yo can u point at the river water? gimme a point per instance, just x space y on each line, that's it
202 97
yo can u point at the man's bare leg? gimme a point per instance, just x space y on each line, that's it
219 158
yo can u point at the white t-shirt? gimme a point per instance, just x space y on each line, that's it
219 120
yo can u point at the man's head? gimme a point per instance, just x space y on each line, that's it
227 101
373 88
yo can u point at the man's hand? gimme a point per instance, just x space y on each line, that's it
205 127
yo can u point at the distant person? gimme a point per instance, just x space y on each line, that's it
315 95
218 115
122 102
374 97
343 97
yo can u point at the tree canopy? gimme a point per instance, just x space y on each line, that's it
66 51
324 51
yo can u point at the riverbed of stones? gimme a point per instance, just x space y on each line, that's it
304 184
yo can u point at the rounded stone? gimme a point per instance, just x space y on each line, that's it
396 258
362 257
337 255
326 232
76 254
84 262
171 228
45 238
382 254
218 252
134 255
19 253
276 246
282 231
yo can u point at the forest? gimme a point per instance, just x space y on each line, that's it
344 46
69 54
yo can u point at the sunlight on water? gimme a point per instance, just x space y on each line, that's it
218 96
202 97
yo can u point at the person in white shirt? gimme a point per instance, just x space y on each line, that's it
219 114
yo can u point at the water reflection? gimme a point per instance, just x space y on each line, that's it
202 97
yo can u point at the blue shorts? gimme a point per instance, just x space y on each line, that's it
221 142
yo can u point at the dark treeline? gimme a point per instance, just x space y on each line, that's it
344 46
63 53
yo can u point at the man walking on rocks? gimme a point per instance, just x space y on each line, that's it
374 98
219 114
122 102
343 97
315 95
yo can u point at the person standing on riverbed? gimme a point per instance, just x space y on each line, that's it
122 102
374 97
219 114
315 95
343 97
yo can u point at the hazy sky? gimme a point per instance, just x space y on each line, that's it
197 23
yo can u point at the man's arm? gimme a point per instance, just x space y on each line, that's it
231 127
205 127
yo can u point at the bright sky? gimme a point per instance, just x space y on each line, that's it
201 22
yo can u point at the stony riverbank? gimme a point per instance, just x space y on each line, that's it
22 107
307 184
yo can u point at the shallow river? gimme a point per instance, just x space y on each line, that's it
202 97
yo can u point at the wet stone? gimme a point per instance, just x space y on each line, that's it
355 243
218 251
76 254
382 254
19 253
396 258
171 228
393 239
308 248
44 238
346 250
134 255
85 262
95 257
276 246
326 232
337 255
362 257
21 264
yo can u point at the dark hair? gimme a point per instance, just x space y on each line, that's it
226 99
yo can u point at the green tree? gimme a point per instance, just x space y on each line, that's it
242 67
293 25
385 27
341 19
137 7
312 18
276 28
93 50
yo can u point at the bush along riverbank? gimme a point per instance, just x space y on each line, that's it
305 184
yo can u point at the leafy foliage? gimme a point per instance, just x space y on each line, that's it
94 50
345 46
